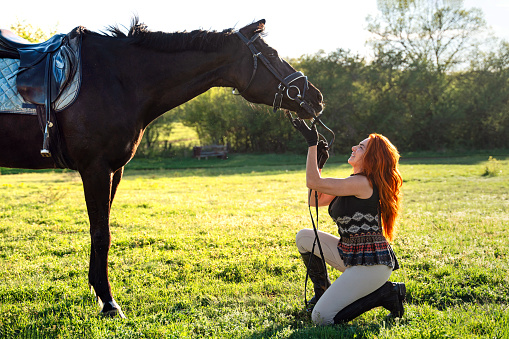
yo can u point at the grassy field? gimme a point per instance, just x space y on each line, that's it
207 251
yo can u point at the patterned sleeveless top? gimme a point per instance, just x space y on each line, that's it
361 239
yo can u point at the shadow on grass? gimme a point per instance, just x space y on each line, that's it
271 163
332 331
303 328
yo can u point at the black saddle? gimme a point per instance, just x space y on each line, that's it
44 70
11 40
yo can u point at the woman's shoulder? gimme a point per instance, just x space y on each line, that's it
360 179
363 178
364 187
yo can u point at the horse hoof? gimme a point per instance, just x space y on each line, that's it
111 309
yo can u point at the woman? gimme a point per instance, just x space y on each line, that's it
364 206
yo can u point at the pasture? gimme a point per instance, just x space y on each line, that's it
207 251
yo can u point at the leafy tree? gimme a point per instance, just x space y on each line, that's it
483 93
340 76
437 32
219 117
31 33
422 42
161 128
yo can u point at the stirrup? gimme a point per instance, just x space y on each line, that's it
45 151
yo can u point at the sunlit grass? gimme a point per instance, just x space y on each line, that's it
209 252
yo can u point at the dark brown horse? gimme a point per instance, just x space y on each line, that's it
127 82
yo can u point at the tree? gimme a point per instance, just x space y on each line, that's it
30 33
437 32
483 93
339 76
158 129
220 117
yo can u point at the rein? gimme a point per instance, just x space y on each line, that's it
315 242
285 85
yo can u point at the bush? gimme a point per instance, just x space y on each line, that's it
493 168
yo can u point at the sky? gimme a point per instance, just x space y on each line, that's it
294 28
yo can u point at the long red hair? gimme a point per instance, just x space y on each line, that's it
380 165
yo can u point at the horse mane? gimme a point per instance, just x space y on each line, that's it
200 40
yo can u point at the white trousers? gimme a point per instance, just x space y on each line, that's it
354 283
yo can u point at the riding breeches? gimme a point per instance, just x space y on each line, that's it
354 283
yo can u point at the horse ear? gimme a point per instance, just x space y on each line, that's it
261 26
255 27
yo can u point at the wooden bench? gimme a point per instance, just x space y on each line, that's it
207 151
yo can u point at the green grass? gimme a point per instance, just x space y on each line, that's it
207 250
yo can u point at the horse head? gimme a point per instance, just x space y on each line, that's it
263 77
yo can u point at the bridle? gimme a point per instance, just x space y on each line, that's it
285 85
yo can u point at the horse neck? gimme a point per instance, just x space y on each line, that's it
178 78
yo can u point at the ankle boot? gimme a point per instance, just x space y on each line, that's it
390 296
318 275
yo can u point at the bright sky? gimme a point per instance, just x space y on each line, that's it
294 27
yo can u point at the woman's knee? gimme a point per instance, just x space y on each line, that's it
301 239
319 318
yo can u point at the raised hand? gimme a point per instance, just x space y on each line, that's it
310 134
322 153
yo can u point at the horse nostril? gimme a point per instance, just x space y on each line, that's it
319 99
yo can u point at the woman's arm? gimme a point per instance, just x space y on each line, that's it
323 199
357 185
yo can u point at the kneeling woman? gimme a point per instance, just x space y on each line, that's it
364 206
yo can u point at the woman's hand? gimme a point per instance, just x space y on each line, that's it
310 134
322 153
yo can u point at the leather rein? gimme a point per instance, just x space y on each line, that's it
284 87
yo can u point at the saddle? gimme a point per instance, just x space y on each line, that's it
45 71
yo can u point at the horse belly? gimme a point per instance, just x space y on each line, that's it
21 142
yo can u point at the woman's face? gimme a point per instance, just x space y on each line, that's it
358 154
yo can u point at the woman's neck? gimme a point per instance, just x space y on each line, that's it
357 170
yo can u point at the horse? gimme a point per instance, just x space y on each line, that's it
128 80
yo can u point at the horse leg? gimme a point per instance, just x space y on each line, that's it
98 187
117 176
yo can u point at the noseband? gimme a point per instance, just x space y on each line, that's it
285 84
